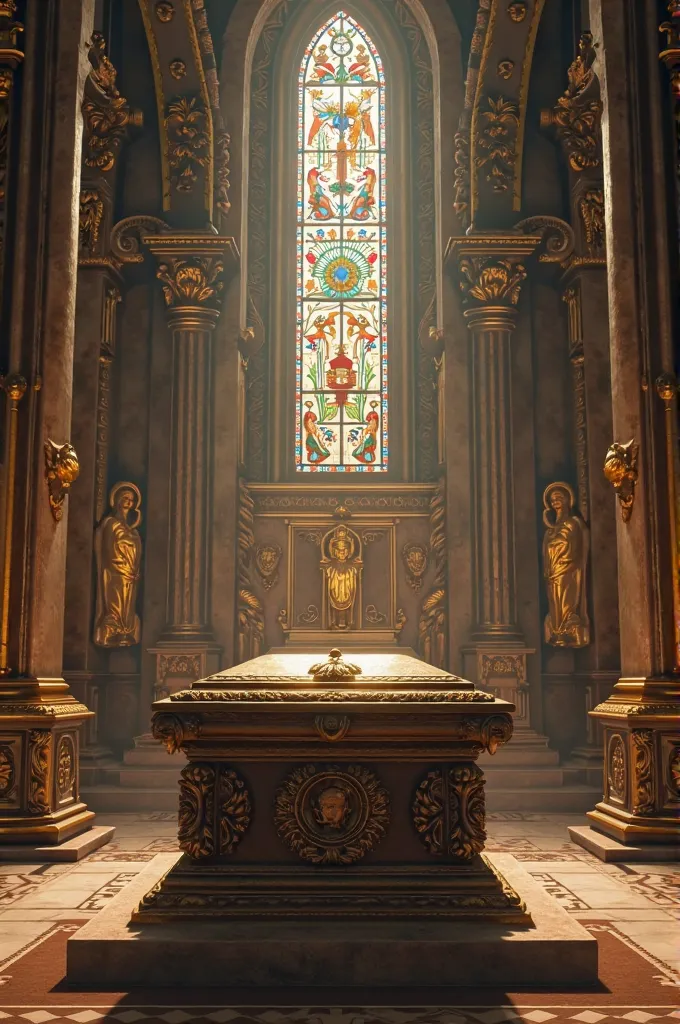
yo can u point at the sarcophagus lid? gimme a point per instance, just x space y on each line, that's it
358 677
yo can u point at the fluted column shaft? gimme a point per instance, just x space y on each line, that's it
492 329
188 610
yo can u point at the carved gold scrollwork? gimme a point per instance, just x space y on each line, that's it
335 669
250 609
449 814
7 772
643 769
214 810
172 730
66 769
196 832
107 115
194 281
39 747
496 142
89 219
332 815
616 768
61 469
591 209
576 117
491 280
432 631
620 469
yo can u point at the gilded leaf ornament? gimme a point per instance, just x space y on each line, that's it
496 139
490 280
195 281
577 114
188 140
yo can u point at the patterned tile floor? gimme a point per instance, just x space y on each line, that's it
640 901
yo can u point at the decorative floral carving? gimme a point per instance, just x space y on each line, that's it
674 769
491 280
107 115
448 812
591 208
7 772
61 469
496 142
332 696
461 175
643 778
576 118
415 558
432 631
193 281
617 768
267 558
332 815
187 666
172 730
494 665
188 140
234 809
620 469
335 669
331 727
222 143
66 769
39 744
196 832
89 218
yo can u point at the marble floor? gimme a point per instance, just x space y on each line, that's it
641 902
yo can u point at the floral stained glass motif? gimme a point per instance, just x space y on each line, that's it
341 357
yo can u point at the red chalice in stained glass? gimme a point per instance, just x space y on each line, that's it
341 377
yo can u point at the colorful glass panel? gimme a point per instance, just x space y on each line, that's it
341 357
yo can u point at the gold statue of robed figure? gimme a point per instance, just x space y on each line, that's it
341 567
565 556
118 548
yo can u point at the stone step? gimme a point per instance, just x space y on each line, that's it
523 778
520 755
124 800
562 800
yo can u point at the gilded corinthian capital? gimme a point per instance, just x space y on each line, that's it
491 281
193 270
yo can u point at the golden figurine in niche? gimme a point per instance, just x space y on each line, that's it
565 556
332 807
118 547
341 566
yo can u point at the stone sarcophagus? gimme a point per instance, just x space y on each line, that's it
322 787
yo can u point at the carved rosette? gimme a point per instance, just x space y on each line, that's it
332 815
66 769
214 810
449 813
616 768
40 742
643 771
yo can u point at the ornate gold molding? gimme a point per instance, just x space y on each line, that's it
250 608
432 626
620 469
576 117
333 696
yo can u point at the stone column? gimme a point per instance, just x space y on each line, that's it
40 721
491 271
192 269
641 722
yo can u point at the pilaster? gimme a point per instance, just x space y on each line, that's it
491 270
193 269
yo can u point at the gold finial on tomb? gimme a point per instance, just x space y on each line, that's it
335 670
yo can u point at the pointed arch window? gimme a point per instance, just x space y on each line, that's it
341 299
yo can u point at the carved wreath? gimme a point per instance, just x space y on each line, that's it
332 815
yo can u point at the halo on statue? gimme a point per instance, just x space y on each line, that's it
548 511
126 485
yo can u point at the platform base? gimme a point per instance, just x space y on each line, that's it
557 952
71 850
611 850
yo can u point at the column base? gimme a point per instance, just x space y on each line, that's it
40 727
612 851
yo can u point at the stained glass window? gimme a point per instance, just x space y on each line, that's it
341 357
